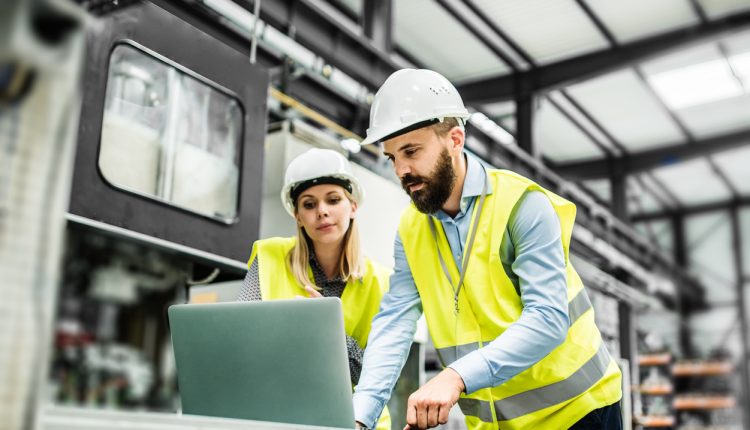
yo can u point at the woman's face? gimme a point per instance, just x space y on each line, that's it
325 213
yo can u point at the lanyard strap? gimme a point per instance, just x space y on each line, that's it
467 250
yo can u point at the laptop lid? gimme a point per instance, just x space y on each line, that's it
280 360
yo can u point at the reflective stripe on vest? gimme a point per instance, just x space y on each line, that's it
476 408
576 307
542 397
550 395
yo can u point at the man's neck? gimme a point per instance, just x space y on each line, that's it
453 204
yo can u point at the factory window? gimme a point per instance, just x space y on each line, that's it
170 135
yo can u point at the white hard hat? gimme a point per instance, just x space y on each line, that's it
410 99
315 167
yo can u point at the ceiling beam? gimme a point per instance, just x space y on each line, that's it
317 30
524 125
651 159
558 74
453 11
619 197
597 21
692 210
699 11
378 23
499 32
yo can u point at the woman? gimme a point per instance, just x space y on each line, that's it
324 259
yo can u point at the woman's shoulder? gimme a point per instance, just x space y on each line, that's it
275 243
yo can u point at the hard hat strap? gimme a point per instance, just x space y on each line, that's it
415 126
298 189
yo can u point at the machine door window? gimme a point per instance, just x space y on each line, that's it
170 135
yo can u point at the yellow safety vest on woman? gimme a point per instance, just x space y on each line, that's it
360 300
576 378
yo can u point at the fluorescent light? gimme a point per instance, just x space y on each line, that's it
491 128
698 84
351 145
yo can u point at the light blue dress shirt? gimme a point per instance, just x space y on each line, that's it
532 256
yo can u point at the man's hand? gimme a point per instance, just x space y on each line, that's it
430 405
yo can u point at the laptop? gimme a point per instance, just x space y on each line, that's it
279 360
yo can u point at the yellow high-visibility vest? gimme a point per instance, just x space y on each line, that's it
576 378
359 301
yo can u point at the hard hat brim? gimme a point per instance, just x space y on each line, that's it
384 133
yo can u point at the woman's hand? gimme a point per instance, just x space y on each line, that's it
312 292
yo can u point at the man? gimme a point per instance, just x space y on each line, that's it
484 254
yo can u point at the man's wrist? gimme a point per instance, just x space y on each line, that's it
474 372
359 426
460 384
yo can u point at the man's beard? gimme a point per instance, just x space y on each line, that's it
437 187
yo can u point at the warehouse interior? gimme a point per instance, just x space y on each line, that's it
140 164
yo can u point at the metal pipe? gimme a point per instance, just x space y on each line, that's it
254 39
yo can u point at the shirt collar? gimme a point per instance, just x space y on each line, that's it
473 184
475 177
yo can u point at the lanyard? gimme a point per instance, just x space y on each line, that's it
467 250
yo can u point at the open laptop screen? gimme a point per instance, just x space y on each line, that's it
280 361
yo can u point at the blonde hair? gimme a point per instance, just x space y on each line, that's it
351 262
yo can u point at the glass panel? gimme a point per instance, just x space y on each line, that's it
169 135
636 19
693 182
559 139
414 24
549 30
624 106
709 246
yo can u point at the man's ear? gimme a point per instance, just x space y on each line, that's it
458 137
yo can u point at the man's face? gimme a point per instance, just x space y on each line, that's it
424 164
